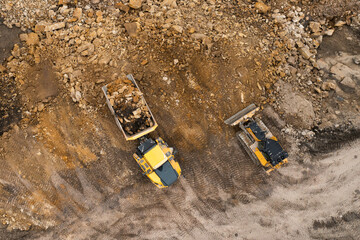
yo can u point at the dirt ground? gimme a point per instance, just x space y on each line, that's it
68 173
317 208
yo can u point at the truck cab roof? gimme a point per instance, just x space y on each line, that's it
155 157
152 153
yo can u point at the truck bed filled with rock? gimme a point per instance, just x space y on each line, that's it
129 106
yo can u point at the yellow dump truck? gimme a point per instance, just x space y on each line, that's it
135 120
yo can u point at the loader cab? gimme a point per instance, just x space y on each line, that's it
272 151
161 171
259 134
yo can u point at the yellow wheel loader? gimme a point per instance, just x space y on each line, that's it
135 120
261 145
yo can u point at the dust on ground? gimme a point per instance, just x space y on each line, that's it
316 208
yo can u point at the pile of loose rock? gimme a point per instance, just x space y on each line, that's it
129 106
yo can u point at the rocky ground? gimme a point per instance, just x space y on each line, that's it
197 63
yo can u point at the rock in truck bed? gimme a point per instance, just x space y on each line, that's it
129 106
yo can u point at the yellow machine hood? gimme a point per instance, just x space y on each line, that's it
155 157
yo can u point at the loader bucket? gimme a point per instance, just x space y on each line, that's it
244 114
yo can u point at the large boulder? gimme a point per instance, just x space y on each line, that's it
297 109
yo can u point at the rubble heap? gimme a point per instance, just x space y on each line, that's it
129 106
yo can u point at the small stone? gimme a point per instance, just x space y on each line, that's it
16 51
144 62
171 3
135 4
325 94
64 2
55 26
105 60
100 81
132 28
137 113
37 58
315 27
90 13
77 13
296 19
327 86
322 64
348 82
262 7
39 28
67 70
191 30
340 23
259 86
32 39
299 44
318 90
74 19
122 7
198 36
40 107
314 63
23 37
177 28
92 35
280 18
86 49
16 128
99 16
77 96
305 52
72 94
2 68
292 60
308 134
329 32
356 60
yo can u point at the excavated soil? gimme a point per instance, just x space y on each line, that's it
68 173
10 109
8 37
